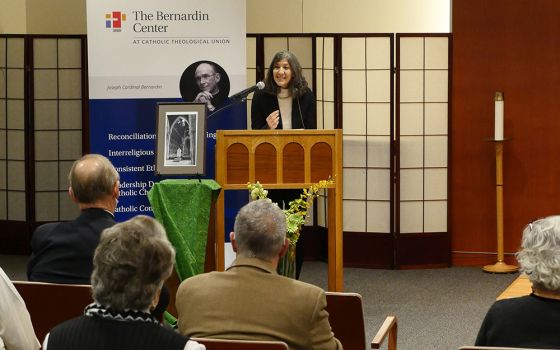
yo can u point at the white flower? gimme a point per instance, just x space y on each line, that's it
255 194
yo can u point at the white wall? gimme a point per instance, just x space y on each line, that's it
56 16
12 17
43 16
349 16
263 16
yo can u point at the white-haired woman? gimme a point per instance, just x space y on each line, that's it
530 321
130 264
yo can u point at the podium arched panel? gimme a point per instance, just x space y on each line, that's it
321 162
293 160
265 163
237 163
283 159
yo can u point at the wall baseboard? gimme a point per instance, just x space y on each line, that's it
479 259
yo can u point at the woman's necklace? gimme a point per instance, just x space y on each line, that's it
284 93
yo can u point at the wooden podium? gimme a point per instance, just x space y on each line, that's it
283 159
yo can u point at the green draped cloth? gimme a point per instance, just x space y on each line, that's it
183 208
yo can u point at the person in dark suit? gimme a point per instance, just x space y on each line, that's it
250 301
205 82
207 79
62 252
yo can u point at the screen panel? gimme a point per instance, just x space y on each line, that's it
422 131
12 129
57 117
366 123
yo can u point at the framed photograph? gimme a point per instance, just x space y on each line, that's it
181 139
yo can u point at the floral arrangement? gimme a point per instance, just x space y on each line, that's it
298 209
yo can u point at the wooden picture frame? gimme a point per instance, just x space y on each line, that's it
181 138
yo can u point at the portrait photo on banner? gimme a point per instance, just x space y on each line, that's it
181 138
205 82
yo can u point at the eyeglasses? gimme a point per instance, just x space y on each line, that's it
204 77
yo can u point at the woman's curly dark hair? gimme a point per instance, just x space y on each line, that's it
297 86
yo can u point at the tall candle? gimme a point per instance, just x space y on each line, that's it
499 116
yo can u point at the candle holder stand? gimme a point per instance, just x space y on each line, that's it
500 266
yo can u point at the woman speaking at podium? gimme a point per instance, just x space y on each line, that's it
286 102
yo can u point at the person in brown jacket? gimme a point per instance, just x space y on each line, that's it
250 301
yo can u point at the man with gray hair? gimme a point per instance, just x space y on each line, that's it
250 301
62 252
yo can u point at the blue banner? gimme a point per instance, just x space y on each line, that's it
125 131
143 52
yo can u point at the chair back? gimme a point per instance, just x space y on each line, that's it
50 304
346 317
230 344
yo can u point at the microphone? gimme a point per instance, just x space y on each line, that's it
243 94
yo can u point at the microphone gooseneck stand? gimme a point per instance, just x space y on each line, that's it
239 97
232 102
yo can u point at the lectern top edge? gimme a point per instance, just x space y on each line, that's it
280 132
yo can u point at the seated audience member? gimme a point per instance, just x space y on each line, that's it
130 264
16 330
250 301
62 252
530 321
